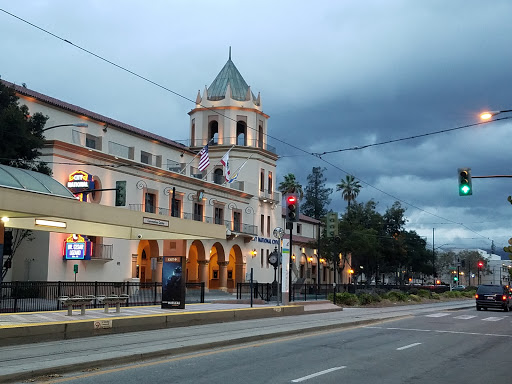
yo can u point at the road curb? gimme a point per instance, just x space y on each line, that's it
101 363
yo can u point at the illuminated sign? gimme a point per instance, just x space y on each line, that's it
77 247
78 182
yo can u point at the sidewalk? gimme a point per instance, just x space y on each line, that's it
23 361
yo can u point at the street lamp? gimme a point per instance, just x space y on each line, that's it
67 125
488 114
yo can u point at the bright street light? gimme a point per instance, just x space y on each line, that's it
67 125
488 114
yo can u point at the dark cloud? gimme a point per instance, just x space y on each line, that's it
331 76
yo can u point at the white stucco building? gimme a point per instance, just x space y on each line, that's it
162 177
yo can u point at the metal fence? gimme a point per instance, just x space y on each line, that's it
33 296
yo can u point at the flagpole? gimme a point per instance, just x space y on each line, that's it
190 162
210 171
239 168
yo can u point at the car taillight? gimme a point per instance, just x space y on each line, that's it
476 296
504 298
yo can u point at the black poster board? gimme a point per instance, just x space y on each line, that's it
173 282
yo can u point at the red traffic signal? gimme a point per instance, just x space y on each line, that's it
480 264
292 208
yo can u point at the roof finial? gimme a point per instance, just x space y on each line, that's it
230 52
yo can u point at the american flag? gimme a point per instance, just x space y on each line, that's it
204 160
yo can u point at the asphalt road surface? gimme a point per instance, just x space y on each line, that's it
462 347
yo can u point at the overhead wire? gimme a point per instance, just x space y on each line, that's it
319 156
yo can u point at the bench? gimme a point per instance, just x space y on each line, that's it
113 300
82 301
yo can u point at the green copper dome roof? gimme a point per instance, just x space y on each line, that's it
229 75
18 178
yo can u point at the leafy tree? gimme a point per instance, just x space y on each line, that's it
349 188
317 195
291 185
21 135
21 138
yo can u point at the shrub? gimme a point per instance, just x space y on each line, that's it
468 293
435 296
424 293
413 291
365 298
376 298
415 298
452 294
346 298
397 296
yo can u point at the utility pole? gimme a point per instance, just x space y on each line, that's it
433 258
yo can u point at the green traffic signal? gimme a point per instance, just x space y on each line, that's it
465 187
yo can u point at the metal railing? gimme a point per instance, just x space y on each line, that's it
238 227
34 296
260 291
102 252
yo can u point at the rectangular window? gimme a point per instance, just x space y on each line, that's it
324 270
177 208
267 257
219 215
269 186
262 180
93 142
268 226
262 224
261 257
198 212
237 221
150 202
146 158
173 166
299 229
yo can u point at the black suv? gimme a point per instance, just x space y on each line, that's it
493 296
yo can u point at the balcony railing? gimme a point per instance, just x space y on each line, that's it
233 226
237 227
102 252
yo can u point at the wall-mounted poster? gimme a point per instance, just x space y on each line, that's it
173 282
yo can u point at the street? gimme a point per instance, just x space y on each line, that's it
439 346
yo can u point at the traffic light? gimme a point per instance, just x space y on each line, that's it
465 186
480 264
7 243
455 278
292 208
120 193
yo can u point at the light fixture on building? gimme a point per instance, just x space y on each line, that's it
293 256
51 223
310 259
254 253
5 219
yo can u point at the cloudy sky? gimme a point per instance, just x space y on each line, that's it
332 75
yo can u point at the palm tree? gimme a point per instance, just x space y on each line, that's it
291 185
349 188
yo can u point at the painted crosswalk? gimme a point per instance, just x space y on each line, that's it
468 317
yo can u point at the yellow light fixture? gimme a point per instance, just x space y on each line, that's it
293 257
310 259
350 271
5 219
51 223
254 253
486 115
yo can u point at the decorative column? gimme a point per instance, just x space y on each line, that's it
203 272
223 275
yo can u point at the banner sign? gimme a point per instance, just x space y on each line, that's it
173 282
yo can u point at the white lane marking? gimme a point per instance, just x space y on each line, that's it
436 331
464 317
317 374
408 346
493 318
437 315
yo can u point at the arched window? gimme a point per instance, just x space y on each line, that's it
260 136
241 133
213 133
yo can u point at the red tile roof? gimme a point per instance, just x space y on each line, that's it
92 115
